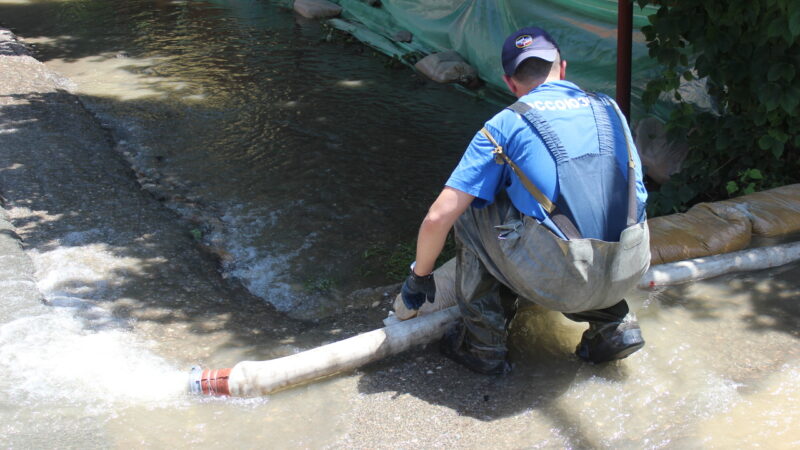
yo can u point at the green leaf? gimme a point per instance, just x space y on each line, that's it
765 142
777 149
755 174
774 73
789 103
775 28
781 70
731 187
778 135
790 99
794 19
685 193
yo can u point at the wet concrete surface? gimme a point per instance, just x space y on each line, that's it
65 190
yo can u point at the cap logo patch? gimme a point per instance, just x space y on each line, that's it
524 41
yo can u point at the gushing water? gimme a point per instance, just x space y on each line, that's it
75 353
291 157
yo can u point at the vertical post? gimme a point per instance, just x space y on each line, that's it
624 43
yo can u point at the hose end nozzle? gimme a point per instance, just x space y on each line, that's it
209 381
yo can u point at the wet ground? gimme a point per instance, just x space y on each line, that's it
132 298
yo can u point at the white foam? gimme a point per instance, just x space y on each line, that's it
74 350
82 268
55 357
262 271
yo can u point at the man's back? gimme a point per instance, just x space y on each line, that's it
569 115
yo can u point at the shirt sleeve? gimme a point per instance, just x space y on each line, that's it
477 173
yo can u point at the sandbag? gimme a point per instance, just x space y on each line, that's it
706 229
446 67
317 9
773 213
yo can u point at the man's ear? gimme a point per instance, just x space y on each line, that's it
563 70
512 85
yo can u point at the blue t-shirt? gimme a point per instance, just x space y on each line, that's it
566 108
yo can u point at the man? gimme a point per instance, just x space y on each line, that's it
548 206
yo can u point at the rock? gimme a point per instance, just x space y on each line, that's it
10 46
317 9
447 67
661 157
402 36
370 297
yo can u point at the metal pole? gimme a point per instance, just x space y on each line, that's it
624 43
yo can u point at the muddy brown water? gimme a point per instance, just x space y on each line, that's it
292 155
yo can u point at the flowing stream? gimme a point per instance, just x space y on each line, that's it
304 162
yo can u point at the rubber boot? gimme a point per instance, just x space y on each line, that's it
609 341
485 360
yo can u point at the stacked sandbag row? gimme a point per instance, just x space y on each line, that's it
726 226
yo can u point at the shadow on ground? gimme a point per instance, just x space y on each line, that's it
77 205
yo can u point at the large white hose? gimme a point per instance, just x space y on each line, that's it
680 272
252 378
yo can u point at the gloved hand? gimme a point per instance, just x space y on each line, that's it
417 289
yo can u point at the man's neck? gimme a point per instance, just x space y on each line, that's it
527 89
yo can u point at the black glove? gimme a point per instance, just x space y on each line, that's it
417 289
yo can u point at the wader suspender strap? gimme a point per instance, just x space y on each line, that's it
535 192
560 220
633 216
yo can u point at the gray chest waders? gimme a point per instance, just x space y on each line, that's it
574 273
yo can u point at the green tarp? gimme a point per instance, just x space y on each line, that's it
585 31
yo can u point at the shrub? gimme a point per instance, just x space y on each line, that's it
748 54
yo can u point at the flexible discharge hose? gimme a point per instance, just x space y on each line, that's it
253 378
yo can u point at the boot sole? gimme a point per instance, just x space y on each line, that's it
624 353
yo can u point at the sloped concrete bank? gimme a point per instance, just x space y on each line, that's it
76 223
16 269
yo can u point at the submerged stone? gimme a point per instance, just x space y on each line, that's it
317 9
447 67
402 36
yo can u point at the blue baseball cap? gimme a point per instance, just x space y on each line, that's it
529 42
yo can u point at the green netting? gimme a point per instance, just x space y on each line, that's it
584 29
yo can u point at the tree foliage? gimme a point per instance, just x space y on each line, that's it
747 53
